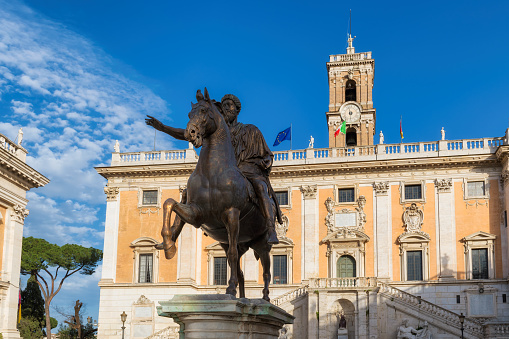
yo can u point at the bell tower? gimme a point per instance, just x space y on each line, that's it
351 78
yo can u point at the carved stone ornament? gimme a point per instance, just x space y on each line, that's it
361 216
142 300
309 192
20 213
350 74
443 185
505 177
329 219
111 193
281 229
413 217
381 188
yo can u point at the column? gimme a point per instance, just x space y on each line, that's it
446 229
382 230
109 269
310 236
373 316
13 241
362 314
313 315
186 272
503 157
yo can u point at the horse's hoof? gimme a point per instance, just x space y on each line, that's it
170 252
159 246
266 297
231 291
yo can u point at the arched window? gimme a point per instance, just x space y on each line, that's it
351 137
346 267
350 91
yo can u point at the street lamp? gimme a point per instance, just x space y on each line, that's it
123 317
462 320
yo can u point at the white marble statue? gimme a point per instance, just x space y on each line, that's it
283 333
424 333
20 135
405 331
381 138
116 147
311 142
442 131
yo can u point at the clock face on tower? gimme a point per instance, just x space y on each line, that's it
350 113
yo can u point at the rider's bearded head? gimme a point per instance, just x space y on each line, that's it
230 111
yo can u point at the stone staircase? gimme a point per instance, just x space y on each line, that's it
291 295
170 332
449 320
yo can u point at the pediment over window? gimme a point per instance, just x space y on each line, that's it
479 236
345 234
144 242
414 237
214 247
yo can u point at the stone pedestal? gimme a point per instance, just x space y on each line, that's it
342 333
223 316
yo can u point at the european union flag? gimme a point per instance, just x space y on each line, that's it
285 135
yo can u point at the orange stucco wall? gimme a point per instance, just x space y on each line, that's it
472 217
132 225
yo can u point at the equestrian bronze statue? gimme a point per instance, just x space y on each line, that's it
228 195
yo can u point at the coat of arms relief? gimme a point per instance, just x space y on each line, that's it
413 218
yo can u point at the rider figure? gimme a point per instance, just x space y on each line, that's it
254 158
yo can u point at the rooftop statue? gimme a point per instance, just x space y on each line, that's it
228 195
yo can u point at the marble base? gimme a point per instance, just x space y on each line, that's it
223 316
342 333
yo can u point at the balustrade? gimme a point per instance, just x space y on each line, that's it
292 295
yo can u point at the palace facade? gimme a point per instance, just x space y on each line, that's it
16 178
377 232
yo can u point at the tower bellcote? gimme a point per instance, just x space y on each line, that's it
351 77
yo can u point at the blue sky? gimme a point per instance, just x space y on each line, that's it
77 75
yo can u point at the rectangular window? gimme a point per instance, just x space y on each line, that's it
458 299
220 268
476 189
150 197
414 265
480 263
504 298
145 271
282 198
280 269
346 195
413 192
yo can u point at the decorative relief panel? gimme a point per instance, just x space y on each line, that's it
345 218
381 188
111 193
20 213
443 185
413 218
281 229
505 177
309 192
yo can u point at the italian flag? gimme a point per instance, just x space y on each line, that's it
341 128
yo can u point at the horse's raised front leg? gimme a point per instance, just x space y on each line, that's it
231 220
186 213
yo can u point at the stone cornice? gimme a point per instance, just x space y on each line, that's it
146 170
15 170
502 153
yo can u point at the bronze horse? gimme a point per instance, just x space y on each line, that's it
219 198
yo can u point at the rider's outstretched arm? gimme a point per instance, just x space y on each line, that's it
177 133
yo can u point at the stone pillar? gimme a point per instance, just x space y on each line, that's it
446 229
312 315
362 314
373 316
323 316
251 268
503 157
310 236
13 240
186 270
382 230
224 316
109 268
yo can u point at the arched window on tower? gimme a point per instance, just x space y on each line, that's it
351 137
350 91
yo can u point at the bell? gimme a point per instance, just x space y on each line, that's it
351 139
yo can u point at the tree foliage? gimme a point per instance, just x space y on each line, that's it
32 303
44 261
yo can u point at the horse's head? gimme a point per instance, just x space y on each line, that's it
203 119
